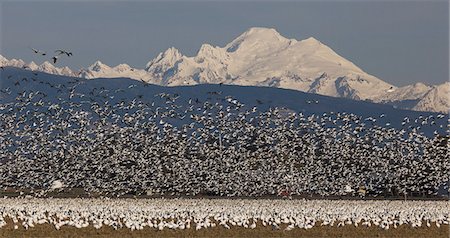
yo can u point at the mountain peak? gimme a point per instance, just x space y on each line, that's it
209 51
122 67
256 37
164 59
206 48
33 66
420 84
261 31
97 66
47 65
311 40
172 52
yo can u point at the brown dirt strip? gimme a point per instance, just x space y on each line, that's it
47 230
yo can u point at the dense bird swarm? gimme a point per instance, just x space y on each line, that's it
112 145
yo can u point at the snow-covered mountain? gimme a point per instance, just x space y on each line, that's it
101 70
12 62
45 67
409 92
437 99
419 97
48 67
262 57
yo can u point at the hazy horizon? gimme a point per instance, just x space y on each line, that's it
399 42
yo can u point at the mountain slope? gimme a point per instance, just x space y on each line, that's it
409 92
419 97
437 99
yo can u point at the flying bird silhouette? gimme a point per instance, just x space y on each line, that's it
60 52
36 51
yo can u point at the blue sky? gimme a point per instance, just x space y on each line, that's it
399 42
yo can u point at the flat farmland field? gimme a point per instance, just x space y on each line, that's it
320 231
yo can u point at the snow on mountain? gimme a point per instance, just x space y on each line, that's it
159 66
48 67
3 59
419 97
45 67
67 71
262 57
437 99
12 62
173 69
96 70
409 92
33 66
101 70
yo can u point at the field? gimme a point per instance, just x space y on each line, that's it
322 231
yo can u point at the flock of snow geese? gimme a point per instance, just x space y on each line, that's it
111 144
159 214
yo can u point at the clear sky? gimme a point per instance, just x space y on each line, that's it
399 42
